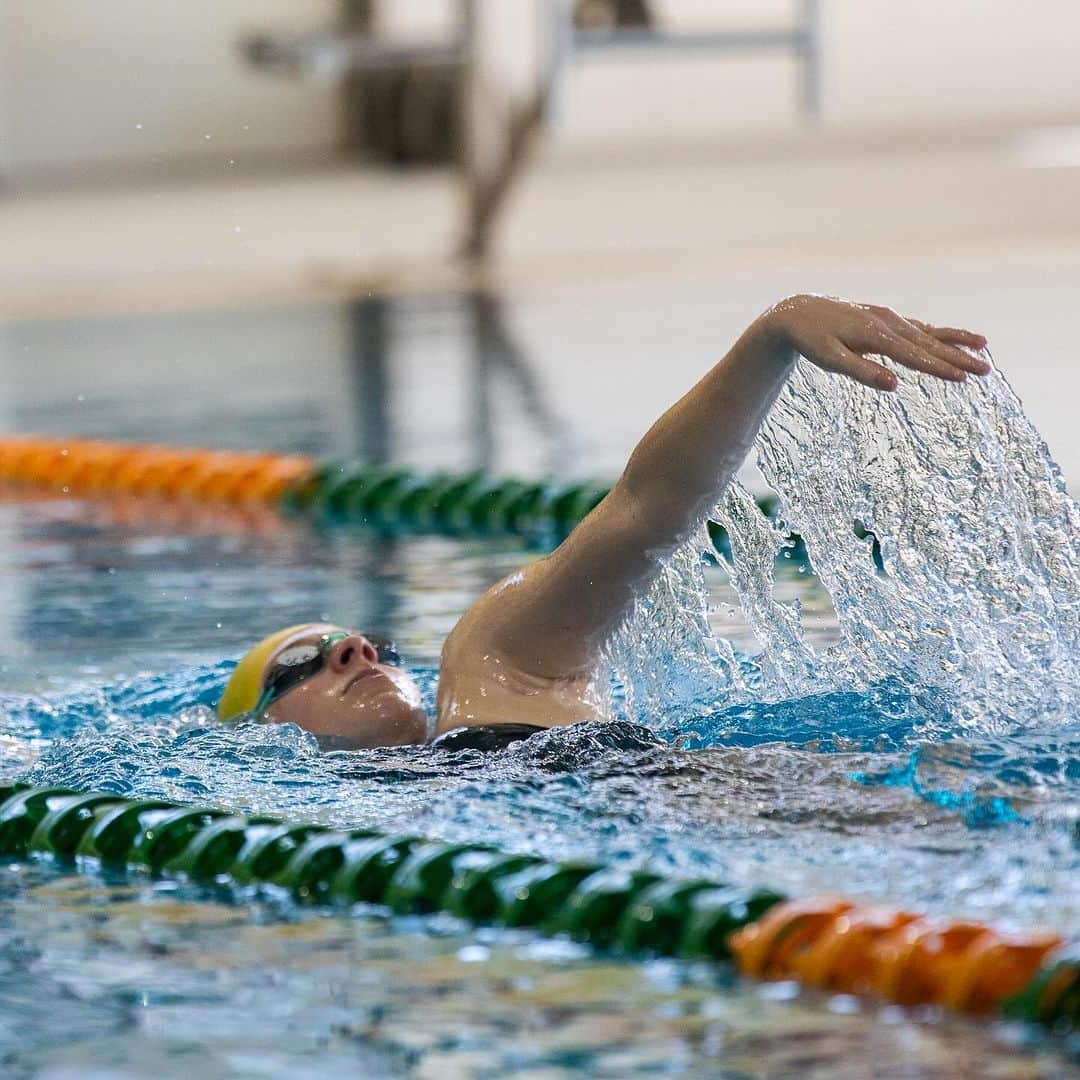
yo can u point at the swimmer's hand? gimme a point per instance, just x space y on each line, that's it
838 335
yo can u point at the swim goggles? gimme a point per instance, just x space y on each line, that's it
305 659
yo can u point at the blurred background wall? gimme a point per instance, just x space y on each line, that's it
123 87
90 88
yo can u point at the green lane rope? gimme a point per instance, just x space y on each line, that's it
408 874
393 499
634 912
389 498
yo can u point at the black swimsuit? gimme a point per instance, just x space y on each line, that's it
485 736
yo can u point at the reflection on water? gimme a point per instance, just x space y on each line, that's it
439 380
840 790
152 980
115 622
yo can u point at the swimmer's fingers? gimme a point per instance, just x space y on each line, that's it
956 360
951 335
875 336
941 343
836 356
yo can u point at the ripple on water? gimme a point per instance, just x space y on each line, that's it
929 757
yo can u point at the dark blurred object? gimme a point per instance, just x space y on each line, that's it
404 116
611 14
421 105
407 113
402 105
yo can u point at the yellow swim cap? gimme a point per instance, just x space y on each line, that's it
245 684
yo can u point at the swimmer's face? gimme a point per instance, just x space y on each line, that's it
354 698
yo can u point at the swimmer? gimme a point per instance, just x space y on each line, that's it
525 655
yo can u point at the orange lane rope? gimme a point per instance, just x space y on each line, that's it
835 945
90 467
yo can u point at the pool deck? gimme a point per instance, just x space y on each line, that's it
676 213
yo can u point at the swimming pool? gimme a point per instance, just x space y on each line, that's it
848 790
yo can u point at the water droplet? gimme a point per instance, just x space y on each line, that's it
474 954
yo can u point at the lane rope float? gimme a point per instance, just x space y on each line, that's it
389 498
828 943
87 468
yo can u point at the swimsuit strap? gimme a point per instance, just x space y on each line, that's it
485 737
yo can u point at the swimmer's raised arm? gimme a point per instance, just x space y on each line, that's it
551 619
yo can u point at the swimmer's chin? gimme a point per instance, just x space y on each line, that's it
413 731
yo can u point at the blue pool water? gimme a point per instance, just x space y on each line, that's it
117 619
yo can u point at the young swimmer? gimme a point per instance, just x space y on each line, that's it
527 651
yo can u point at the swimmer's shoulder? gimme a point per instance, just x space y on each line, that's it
493 669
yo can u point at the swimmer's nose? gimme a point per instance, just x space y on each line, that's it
352 650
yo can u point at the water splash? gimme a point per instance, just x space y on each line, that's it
970 599
665 657
804 769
